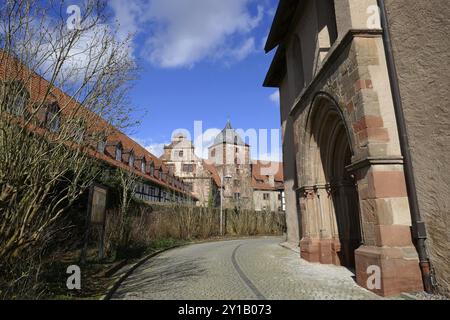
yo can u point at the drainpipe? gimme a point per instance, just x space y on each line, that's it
418 225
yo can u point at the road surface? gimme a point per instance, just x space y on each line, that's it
250 269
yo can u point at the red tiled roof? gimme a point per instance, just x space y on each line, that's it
213 171
38 86
260 178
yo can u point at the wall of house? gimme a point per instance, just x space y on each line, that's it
199 178
273 203
420 39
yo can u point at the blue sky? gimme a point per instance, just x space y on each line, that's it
201 60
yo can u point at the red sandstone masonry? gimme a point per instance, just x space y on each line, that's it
368 122
386 184
350 107
393 236
363 84
374 135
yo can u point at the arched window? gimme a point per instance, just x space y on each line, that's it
53 117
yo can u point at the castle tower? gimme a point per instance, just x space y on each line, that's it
230 155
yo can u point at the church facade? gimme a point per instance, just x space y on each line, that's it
354 147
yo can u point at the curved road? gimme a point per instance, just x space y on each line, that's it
238 270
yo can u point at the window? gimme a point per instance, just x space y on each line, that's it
131 160
189 186
266 196
181 154
101 145
53 118
77 128
279 197
143 165
327 29
118 153
237 183
152 170
237 196
16 97
188 168
213 153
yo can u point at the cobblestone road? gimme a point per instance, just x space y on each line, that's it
240 269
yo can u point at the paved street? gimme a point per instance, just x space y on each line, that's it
240 269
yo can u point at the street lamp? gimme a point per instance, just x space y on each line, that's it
223 178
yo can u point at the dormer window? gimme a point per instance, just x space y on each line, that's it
53 118
131 160
118 153
78 129
143 165
101 145
152 169
15 97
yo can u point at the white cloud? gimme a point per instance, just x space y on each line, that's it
275 97
156 149
183 33
245 49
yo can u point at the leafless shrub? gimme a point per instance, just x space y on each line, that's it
45 135
155 222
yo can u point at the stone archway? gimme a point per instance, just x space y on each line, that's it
345 198
330 203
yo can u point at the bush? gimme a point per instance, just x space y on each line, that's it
160 226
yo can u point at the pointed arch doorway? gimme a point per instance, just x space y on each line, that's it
331 215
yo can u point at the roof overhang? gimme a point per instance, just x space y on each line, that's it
277 69
281 23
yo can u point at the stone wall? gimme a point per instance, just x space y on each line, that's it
420 38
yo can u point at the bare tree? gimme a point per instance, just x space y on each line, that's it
64 87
